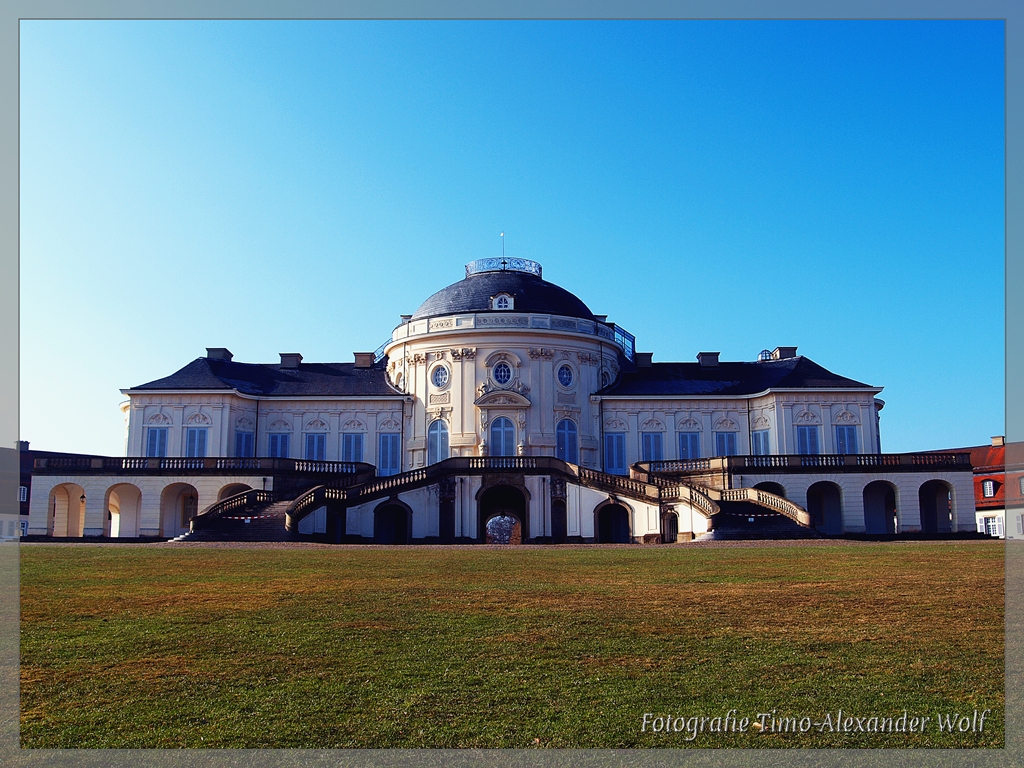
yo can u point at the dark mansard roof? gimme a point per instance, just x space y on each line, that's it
530 292
727 378
264 379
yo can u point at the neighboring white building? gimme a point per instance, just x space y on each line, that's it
503 394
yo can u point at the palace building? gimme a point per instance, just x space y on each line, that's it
502 397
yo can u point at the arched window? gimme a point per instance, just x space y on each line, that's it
437 442
503 437
565 437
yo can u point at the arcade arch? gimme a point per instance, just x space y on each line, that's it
612 524
179 503
880 507
123 506
503 501
825 506
66 510
392 523
936 500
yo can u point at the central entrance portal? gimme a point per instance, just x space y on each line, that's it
503 516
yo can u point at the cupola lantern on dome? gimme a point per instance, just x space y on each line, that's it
504 264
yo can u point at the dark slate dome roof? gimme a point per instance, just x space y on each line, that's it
530 292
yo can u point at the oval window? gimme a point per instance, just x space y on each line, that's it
503 373
440 376
565 376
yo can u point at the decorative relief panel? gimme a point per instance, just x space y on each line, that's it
198 418
444 397
761 423
615 425
158 418
416 359
353 425
466 353
845 417
541 353
559 322
502 321
565 397
280 425
726 424
652 425
244 423
316 425
442 324
388 425
439 413
807 417
587 357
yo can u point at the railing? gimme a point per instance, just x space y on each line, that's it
626 340
503 462
793 511
378 353
309 501
617 483
189 464
860 462
395 481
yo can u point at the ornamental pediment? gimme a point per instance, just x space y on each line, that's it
502 397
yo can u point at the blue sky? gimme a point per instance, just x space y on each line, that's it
723 186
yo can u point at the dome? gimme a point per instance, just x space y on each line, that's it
519 278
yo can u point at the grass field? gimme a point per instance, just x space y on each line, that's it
157 646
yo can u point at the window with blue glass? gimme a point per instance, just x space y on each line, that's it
565 441
615 453
689 445
503 437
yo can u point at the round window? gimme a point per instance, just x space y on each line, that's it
440 376
565 376
503 373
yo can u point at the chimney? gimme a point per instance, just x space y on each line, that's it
290 359
218 353
708 359
601 318
783 353
998 440
23 445
363 359
406 319
643 359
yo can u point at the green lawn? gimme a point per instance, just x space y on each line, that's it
155 646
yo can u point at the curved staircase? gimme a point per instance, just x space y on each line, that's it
264 522
746 520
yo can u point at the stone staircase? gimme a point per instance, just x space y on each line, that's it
746 520
262 523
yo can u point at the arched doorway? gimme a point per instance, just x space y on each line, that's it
232 490
669 528
559 522
770 487
612 525
66 511
935 498
879 507
503 501
825 507
124 501
391 523
179 503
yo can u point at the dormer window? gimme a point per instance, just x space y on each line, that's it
502 301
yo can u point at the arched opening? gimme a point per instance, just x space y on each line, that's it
566 442
66 508
232 490
879 507
825 508
770 487
613 525
503 437
559 522
935 498
669 528
391 524
503 501
124 502
179 503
